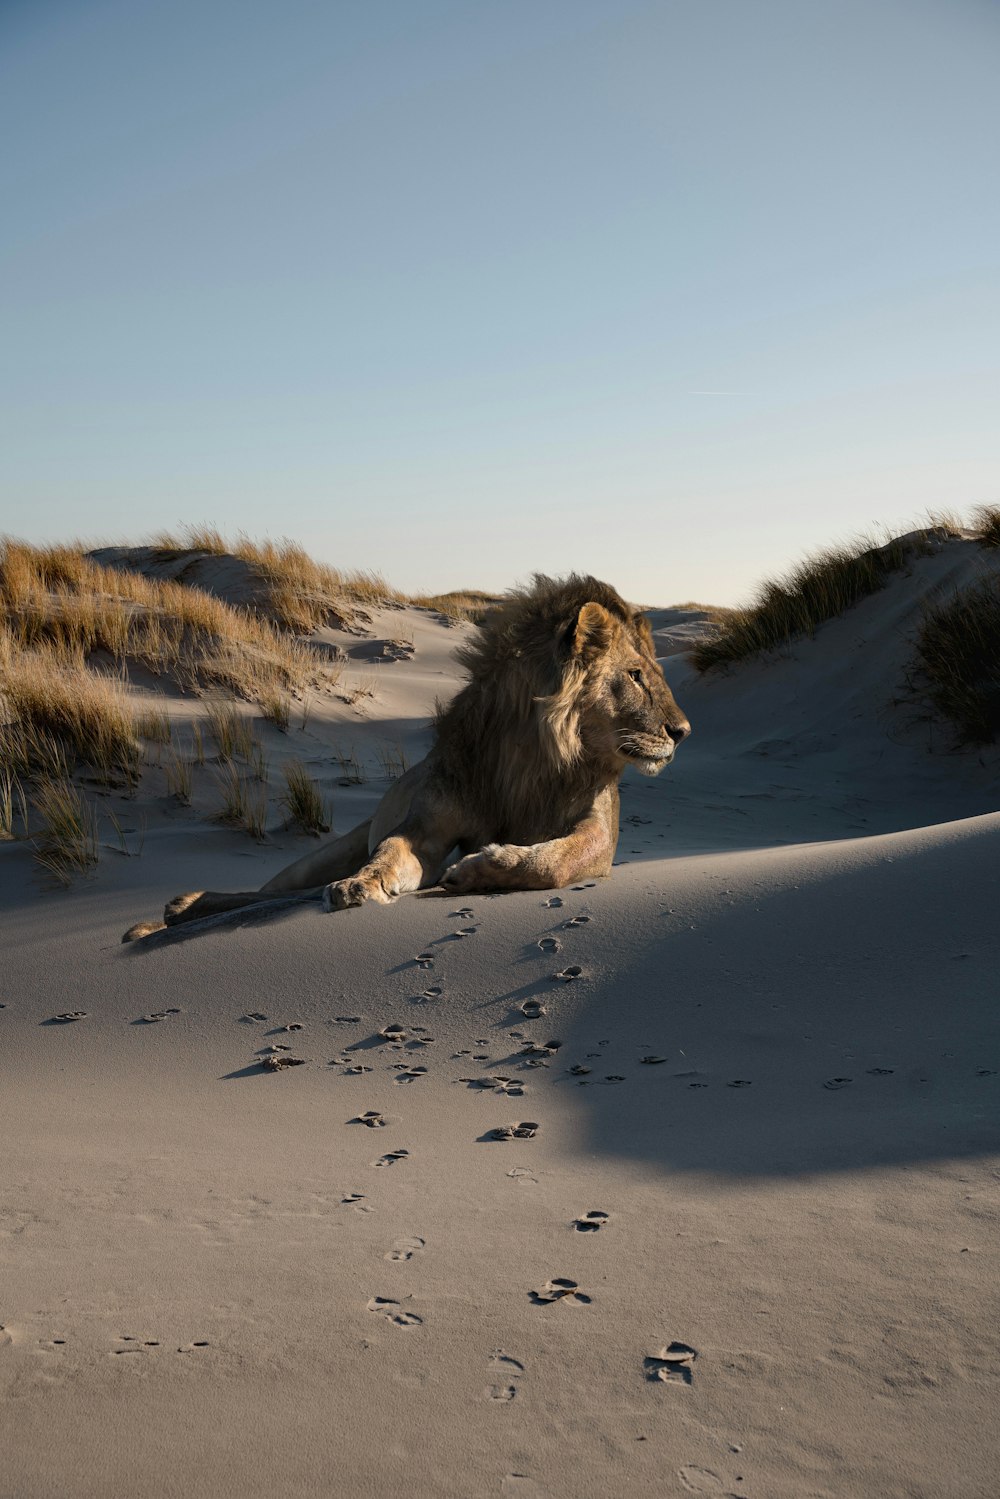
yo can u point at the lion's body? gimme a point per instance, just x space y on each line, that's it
522 781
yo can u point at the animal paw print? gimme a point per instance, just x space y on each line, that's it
406 1249
589 1223
671 1365
507 1370
559 1289
391 1158
527 1130
394 1312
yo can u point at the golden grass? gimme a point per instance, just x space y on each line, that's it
57 713
243 804
66 843
958 658
56 596
815 591
301 594
231 731
302 800
987 524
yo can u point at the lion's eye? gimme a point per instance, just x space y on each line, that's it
636 676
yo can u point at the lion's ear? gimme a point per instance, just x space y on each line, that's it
593 632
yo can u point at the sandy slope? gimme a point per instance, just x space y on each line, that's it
788 1012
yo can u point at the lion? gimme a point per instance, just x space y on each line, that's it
520 788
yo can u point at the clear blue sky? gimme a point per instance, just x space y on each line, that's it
458 289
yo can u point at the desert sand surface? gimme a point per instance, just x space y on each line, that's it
742 1237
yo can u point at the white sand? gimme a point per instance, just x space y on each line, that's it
807 905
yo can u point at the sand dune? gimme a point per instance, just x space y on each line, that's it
738 1234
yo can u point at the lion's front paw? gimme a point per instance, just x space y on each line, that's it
353 892
490 869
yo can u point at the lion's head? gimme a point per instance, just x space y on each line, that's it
571 658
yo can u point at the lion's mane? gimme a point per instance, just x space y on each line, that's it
509 743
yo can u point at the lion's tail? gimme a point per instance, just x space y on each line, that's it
336 860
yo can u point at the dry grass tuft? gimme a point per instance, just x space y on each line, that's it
818 589
231 731
392 759
277 709
987 525
302 800
58 714
67 843
243 804
958 657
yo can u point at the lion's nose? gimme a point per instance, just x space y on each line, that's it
677 731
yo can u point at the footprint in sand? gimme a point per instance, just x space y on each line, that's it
391 1157
508 1371
356 1070
576 921
67 1016
190 1347
559 1289
833 1084
549 944
651 1060
346 1019
252 1017
465 914
156 1015
424 960
393 1312
523 1131
671 1365
279 1063
406 1074
405 1249
429 995
881 1071
373 1119
554 902
533 1009
568 975
394 1032
740 1082
589 1223
355 1200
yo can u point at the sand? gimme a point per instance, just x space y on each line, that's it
769 1133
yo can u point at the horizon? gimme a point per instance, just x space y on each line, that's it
675 295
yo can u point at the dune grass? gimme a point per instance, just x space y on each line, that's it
958 658
815 591
302 800
244 804
66 843
987 525
300 594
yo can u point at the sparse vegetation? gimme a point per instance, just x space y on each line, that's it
243 805
392 759
179 779
154 726
352 772
277 708
12 804
302 800
231 731
988 525
818 589
958 658
66 843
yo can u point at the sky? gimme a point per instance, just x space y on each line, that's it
459 290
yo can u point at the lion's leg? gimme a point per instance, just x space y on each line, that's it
584 853
409 860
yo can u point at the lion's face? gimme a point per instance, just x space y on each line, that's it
628 715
